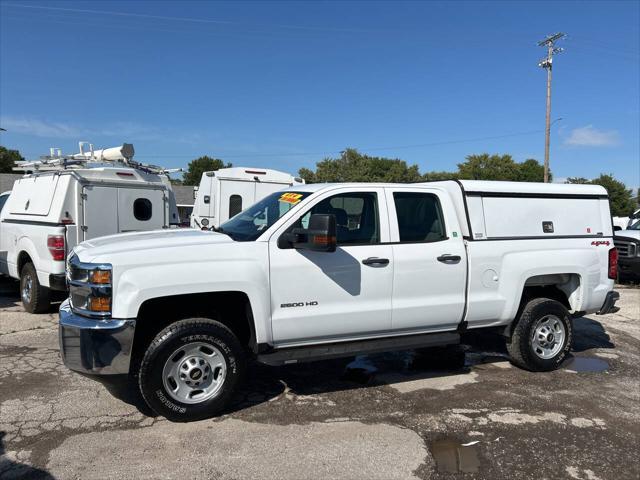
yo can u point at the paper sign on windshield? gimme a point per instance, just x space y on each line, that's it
291 197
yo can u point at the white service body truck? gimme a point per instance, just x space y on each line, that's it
224 193
50 212
330 270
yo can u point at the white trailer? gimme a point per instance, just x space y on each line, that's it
224 193
65 200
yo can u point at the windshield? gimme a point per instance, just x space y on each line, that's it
255 220
634 226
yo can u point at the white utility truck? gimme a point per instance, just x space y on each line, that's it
68 199
224 193
329 270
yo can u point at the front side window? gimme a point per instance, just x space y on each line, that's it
356 215
142 209
419 217
255 220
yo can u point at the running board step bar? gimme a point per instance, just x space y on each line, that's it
327 351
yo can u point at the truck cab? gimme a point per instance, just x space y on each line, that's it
323 271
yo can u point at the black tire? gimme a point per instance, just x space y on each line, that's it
185 333
522 347
35 297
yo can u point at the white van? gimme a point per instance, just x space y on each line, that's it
224 193
51 210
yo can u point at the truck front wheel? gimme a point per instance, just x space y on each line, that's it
35 297
191 369
542 336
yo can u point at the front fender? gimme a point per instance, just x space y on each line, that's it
135 285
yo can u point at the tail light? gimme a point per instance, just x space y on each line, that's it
613 263
55 244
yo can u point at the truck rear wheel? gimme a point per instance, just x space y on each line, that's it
35 297
191 370
542 336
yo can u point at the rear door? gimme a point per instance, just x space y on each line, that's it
430 263
141 209
100 211
235 196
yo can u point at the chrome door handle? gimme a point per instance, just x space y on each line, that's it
375 261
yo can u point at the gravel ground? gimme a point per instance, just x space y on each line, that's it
466 413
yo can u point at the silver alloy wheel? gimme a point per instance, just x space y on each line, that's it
194 373
27 288
548 337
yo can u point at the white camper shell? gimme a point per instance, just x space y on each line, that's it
226 192
60 205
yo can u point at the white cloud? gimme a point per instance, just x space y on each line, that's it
588 136
39 128
122 130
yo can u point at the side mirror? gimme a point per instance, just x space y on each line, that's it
319 237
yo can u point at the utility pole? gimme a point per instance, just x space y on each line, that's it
547 64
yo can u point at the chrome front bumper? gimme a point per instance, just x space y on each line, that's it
95 346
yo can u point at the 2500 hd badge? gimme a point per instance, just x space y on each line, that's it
299 304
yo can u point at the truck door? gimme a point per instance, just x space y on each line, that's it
141 209
235 196
430 263
100 211
322 296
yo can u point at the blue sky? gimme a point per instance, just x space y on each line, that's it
284 84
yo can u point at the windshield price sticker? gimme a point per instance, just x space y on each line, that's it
291 197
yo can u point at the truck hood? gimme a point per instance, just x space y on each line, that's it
635 234
142 241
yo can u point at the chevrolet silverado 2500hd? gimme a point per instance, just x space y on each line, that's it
322 271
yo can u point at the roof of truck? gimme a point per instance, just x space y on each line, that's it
480 186
531 187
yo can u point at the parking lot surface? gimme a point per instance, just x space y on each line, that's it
465 413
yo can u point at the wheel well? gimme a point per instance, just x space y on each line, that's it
233 309
562 287
23 259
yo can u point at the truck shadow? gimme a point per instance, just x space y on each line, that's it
13 469
441 364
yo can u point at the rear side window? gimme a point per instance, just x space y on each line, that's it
419 217
142 209
235 205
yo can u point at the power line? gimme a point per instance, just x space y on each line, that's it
192 19
339 151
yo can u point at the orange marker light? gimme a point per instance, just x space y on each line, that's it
99 304
100 276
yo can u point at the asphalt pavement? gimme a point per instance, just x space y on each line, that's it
461 413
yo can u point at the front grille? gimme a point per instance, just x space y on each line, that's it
625 249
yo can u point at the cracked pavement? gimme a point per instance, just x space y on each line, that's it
465 413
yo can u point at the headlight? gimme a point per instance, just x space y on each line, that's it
89 287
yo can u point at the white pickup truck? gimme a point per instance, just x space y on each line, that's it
331 270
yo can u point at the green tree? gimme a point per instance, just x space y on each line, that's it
437 176
7 159
353 166
621 199
579 180
531 171
200 165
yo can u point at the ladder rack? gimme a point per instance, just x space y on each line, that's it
121 156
